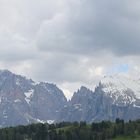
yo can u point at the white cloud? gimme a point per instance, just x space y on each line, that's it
71 43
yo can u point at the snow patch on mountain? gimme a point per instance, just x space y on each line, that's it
120 84
18 82
50 121
123 90
40 121
29 95
35 83
136 106
17 101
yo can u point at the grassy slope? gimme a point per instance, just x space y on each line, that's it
64 128
127 138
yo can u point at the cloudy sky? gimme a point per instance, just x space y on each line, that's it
70 42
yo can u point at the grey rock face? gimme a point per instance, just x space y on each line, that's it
23 101
110 100
79 107
48 100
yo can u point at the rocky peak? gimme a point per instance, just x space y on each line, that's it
23 101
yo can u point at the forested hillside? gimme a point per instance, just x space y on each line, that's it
118 130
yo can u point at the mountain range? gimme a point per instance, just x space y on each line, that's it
23 101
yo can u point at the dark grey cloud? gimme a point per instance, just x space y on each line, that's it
91 26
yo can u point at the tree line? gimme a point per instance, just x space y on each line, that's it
104 130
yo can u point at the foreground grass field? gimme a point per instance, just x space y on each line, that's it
127 138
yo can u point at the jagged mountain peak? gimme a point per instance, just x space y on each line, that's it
5 71
82 95
6 74
83 88
24 101
121 90
120 84
46 84
83 91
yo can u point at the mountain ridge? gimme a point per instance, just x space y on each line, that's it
23 101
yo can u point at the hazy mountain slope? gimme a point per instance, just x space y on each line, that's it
23 101
114 97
